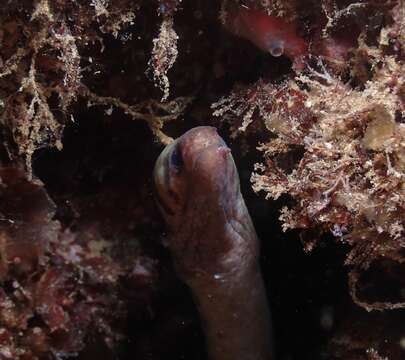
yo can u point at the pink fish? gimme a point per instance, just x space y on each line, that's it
269 33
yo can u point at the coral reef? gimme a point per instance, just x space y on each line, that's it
336 143
83 268
56 287
44 68
346 144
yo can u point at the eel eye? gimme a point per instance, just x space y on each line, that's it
176 159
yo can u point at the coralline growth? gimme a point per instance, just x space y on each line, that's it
346 142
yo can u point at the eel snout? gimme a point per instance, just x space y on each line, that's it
198 166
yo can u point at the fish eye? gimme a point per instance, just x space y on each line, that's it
176 159
276 48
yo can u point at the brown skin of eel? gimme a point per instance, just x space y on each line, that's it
214 244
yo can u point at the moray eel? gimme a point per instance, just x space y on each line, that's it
213 244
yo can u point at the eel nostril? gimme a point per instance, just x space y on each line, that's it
224 151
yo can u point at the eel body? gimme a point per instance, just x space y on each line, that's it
213 244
